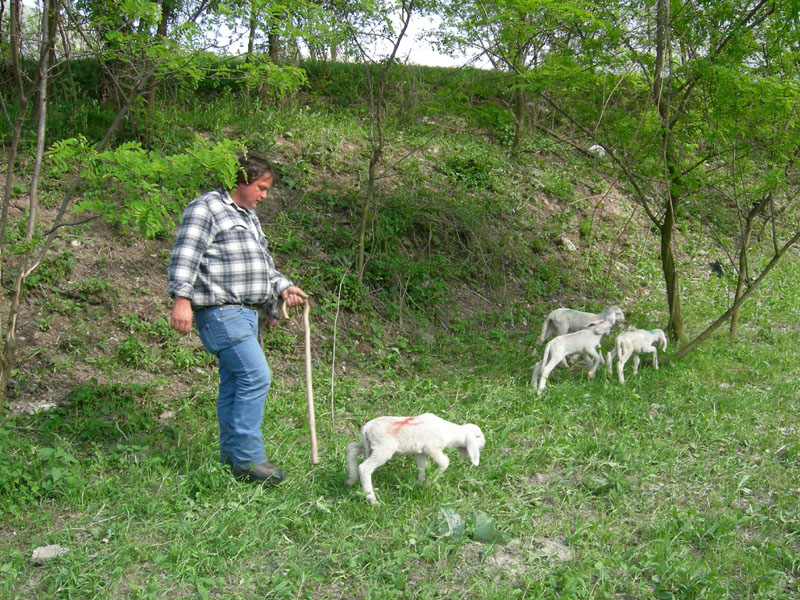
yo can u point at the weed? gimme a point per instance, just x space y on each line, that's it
557 186
92 290
44 323
65 306
133 352
52 271
472 167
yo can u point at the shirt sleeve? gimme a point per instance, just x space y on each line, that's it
192 239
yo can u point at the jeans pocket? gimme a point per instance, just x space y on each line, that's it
227 327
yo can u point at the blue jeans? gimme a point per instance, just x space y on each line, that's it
231 334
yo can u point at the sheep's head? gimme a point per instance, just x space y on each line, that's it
613 314
601 327
474 442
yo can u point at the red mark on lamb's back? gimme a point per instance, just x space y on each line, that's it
398 425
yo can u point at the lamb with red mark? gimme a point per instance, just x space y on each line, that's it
398 425
424 436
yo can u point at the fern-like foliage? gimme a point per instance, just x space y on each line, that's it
141 190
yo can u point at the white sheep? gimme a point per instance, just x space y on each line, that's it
633 343
584 342
565 320
424 435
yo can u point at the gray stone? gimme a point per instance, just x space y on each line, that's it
44 553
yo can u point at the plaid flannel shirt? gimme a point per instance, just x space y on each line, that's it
220 255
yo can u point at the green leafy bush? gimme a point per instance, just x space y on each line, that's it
144 191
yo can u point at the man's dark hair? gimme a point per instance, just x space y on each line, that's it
253 165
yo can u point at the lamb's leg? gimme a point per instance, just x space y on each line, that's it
537 369
610 360
563 329
635 363
440 458
654 352
545 373
378 457
422 462
546 331
622 358
353 451
596 361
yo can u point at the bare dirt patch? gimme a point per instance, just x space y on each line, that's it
66 332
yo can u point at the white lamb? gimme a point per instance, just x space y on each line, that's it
584 342
633 343
423 436
565 320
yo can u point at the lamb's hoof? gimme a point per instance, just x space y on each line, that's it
350 482
372 500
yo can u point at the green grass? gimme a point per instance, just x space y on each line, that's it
682 484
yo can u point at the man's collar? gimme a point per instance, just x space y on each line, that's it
227 197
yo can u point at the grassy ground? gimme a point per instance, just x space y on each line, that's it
682 484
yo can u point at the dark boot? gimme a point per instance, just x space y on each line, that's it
265 473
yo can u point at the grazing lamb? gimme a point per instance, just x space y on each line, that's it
633 343
583 342
423 436
565 320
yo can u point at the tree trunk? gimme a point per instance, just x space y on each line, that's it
273 47
14 43
2 14
8 353
44 68
53 27
673 185
376 143
520 119
675 323
251 31
161 33
743 274
744 269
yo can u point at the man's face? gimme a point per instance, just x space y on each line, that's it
252 194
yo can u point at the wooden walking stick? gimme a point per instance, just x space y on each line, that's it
312 425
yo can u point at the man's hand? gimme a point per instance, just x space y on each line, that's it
293 296
181 319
